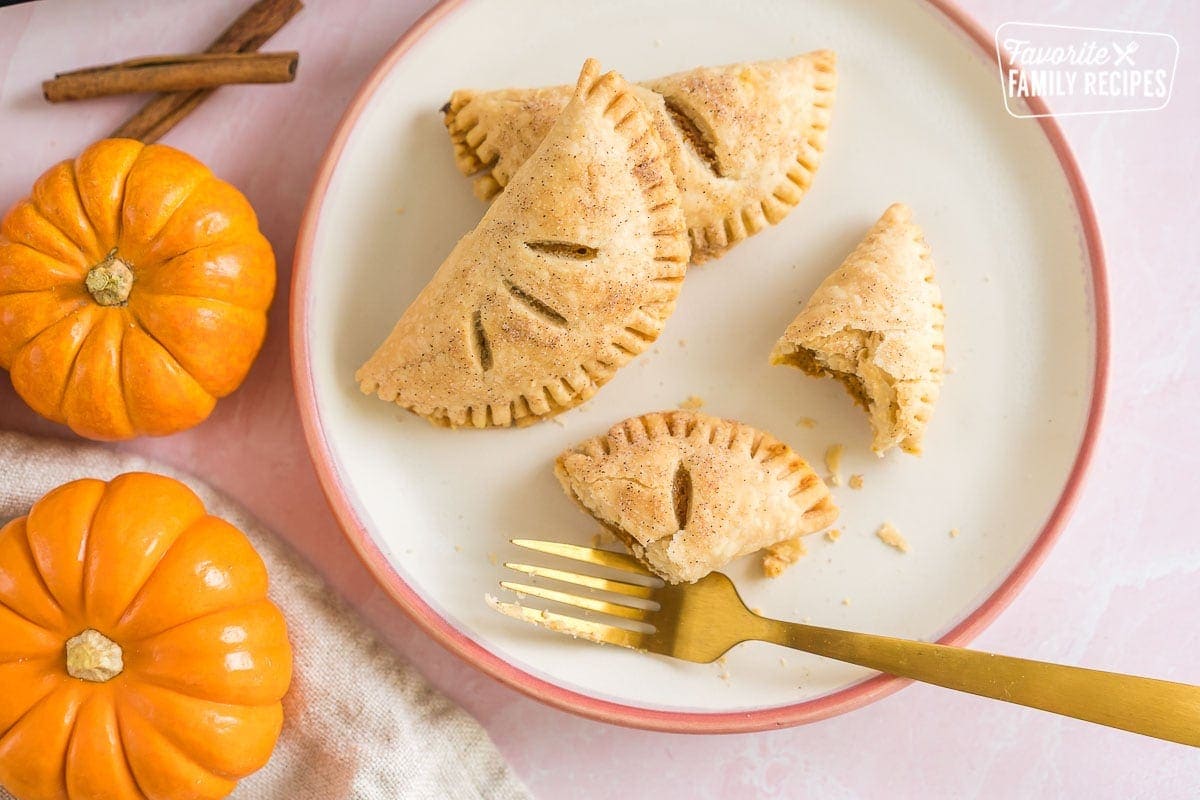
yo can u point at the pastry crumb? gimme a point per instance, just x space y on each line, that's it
558 422
781 555
782 661
833 534
683 342
491 557
833 463
856 481
888 534
458 548
806 422
756 610
845 601
658 42
723 666
954 533
543 618
692 403
806 620
399 209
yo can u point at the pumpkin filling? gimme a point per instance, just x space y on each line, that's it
810 362
92 656
110 281
871 387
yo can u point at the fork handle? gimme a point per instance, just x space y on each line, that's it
1162 709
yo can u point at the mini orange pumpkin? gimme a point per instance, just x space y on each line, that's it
139 656
133 291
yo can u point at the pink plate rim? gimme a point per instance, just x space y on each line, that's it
456 641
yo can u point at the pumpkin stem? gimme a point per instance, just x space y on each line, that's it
110 281
92 656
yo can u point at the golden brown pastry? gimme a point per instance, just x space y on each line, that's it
568 276
687 493
875 324
744 140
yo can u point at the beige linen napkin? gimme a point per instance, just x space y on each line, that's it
358 723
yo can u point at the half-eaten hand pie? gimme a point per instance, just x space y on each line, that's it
568 276
744 140
688 493
875 324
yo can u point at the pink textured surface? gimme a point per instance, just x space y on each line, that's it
1118 592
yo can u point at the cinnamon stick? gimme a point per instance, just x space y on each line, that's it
171 74
248 33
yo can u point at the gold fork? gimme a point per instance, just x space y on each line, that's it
704 620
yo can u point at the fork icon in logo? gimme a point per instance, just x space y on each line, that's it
1124 54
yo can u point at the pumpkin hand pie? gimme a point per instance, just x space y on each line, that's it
743 140
876 325
569 275
688 493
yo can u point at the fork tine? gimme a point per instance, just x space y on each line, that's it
572 626
589 554
604 584
591 604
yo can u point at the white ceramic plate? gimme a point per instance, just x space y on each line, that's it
919 119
